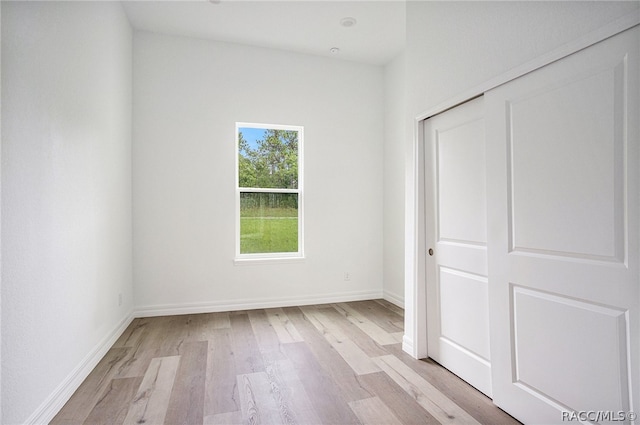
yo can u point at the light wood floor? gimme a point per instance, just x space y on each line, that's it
325 364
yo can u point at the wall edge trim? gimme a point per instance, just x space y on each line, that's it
252 304
393 298
407 346
57 399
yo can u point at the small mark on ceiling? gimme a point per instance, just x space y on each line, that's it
348 22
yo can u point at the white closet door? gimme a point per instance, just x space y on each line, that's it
563 204
457 297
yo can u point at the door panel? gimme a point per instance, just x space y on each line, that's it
567 324
564 163
563 205
457 293
463 300
461 196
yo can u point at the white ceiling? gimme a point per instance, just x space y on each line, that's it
302 26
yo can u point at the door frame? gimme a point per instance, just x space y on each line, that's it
415 338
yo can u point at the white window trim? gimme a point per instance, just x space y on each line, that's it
271 257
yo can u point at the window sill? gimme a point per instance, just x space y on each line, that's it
267 260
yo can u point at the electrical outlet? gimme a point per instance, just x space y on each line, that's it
120 299
347 276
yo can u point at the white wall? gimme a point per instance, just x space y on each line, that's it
394 160
453 47
188 94
66 195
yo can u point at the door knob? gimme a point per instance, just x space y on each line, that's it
430 251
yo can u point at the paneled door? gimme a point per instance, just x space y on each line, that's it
457 288
563 163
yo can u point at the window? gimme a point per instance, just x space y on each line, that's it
269 191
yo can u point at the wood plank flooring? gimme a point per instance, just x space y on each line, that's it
324 364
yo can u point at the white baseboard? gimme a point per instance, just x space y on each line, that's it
251 304
52 404
407 346
394 299
56 400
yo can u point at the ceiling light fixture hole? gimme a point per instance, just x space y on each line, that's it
348 22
